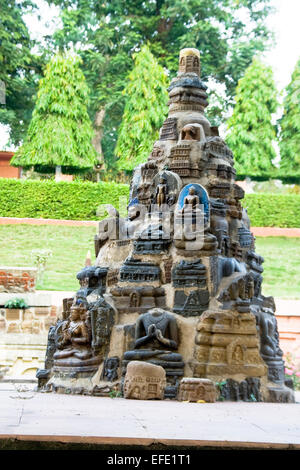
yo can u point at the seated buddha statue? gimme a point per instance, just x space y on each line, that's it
156 337
75 338
191 201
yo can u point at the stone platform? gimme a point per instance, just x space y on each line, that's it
116 422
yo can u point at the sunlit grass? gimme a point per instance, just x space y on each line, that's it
281 267
70 245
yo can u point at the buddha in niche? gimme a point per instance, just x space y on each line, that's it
75 340
191 201
156 329
190 132
161 192
193 132
156 335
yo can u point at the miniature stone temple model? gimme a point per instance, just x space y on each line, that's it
192 389
177 283
144 381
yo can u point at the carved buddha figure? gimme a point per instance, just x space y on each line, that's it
75 336
156 329
269 335
161 192
191 201
190 132
156 335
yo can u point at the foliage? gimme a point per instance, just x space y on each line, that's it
144 112
289 139
60 132
19 67
106 34
115 394
273 210
219 386
79 200
250 129
272 186
16 303
40 258
292 369
57 200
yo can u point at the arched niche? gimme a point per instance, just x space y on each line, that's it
192 132
202 195
172 182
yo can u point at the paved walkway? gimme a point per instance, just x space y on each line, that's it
28 221
32 416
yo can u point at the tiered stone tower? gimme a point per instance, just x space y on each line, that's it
177 283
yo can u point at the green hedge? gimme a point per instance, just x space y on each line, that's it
57 200
79 201
273 210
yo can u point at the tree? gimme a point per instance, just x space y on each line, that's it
250 130
19 68
112 30
289 137
144 112
60 132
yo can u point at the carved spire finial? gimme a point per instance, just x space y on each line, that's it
189 61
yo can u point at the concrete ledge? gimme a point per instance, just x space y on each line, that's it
106 442
33 299
55 418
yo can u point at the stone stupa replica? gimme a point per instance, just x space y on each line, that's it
177 283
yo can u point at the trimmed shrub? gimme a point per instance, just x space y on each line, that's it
57 200
273 210
80 200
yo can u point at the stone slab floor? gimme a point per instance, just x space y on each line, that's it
26 415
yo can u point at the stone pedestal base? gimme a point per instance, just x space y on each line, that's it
227 346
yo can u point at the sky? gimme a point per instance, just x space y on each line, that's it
282 57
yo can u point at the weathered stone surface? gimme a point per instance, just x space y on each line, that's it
184 247
227 344
135 270
193 389
247 390
110 368
138 299
156 342
281 395
144 381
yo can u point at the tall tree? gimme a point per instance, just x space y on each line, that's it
112 30
19 68
145 109
289 137
60 132
250 130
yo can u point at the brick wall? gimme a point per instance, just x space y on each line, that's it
6 170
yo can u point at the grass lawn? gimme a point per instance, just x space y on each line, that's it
281 267
69 246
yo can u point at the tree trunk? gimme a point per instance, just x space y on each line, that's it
58 173
98 133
